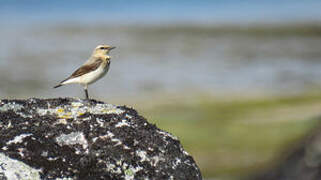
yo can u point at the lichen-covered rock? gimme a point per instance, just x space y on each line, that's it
76 139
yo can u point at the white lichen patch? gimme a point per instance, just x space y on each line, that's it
61 121
153 161
18 139
9 124
11 106
142 155
122 123
44 153
72 139
186 153
176 163
20 151
156 159
24 115
117 141
65 178
77 109
106 109
166 134
126 147
13 169
113 168
182 150
103 137
43 112
76 104
111 136
100 122
52 158
135 142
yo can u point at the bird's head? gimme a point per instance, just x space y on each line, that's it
103 49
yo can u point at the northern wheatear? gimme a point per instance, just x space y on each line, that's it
92 70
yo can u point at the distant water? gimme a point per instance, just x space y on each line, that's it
158 50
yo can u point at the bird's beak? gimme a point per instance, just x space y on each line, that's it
113 47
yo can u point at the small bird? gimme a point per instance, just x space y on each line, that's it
92 70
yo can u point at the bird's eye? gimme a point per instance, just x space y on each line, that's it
102 48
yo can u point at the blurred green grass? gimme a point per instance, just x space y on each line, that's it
233 138
256 30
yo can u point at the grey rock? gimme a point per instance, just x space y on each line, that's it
68 138
300 162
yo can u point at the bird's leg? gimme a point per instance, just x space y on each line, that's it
86 91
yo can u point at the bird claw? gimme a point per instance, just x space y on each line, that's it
87 101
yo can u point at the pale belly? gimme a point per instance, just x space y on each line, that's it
93 76
89 78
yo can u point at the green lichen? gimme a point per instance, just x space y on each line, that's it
129 172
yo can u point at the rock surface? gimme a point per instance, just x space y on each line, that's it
302 162
75 139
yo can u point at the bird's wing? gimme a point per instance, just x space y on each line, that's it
86 68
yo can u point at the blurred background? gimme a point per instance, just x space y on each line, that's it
237 81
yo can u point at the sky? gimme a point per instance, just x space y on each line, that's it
155 12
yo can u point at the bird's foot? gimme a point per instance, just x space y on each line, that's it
87 101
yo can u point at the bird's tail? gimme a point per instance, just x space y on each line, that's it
61 83
57 86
